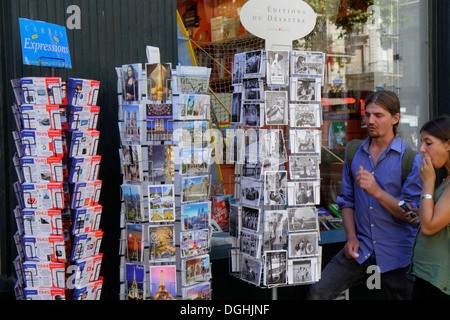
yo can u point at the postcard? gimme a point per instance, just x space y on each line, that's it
195 188
192 133
195 215
136 288
234 218
163 282
194 160
83 118
305 115
305 89
195 270
276 107
42 293
302 219
41 90
277 67
86 245
275 227
82 92
134 118
42 222
44 274
236 107
252 114
133 83
303 193
194 242
161 165
84 143
87 219
159 78
200 291
192 79
275 267
40 117
220 213
275 187
307 63
162 243
86 194
192 107
159 129
251 270
238 68
161 203
305 141
131 161
250 244
135 242
91 291
41 169
250 219
304 167
253 89
87 270
251 191
303 271
133 199
43 195
41 143
254 65
85 168
47 248
304 244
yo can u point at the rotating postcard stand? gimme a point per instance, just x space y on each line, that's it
277 178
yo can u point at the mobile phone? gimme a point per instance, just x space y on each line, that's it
402 204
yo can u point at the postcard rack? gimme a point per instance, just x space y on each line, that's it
165 195
276 102
57 233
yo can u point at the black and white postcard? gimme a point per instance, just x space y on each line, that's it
251 270
303 193
305 115
251 191
304 167
250 219
254 66
275 187
253 89
234 218
252 114
305 89
274 150
277 68
303 244
307 63
275 227
236 106
238 68
302 219
275 267
250 244
276 107
305 140
303 271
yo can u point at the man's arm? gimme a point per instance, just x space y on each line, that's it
352 245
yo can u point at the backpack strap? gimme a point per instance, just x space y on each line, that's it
350 151
407 162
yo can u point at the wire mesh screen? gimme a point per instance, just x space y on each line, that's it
219 57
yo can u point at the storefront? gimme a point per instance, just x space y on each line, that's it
397 45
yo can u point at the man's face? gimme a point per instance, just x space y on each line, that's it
379 121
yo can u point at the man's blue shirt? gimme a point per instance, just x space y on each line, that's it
377 230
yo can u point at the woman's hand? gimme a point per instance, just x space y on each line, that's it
427 173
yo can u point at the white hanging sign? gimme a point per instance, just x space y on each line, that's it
279 22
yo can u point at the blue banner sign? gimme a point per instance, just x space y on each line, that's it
44 44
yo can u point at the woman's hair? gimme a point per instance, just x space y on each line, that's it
388 100
438 128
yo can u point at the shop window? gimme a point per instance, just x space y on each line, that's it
368 44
